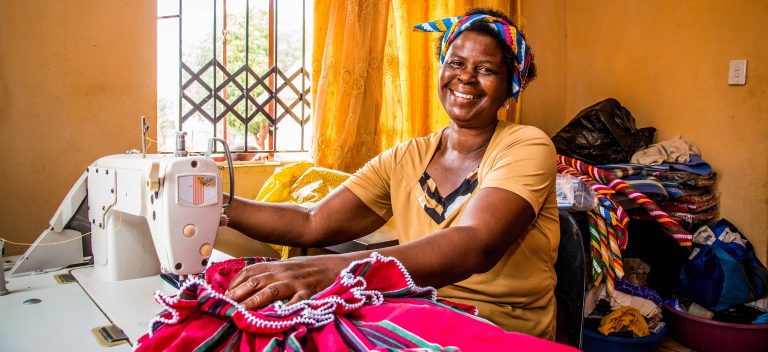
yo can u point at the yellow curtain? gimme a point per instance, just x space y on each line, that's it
349 37
377 87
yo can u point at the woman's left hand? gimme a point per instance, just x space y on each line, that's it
295 279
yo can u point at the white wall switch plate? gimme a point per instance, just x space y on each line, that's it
737 72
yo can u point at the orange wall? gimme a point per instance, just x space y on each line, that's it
544 99
74 78
667 62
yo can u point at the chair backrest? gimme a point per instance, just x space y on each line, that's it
571 269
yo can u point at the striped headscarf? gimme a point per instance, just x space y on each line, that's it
453 26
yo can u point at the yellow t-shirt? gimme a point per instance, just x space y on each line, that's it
518 292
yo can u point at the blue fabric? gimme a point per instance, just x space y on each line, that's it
761 319
695 165
723 275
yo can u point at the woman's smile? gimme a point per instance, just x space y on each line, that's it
466 96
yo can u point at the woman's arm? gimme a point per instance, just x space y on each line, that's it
338 218
492 221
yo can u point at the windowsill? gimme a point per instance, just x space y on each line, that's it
247 159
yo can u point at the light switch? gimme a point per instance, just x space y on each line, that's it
737 72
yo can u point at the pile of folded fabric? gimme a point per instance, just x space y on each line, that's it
631 311
673 174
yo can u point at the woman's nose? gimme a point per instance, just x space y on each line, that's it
467 76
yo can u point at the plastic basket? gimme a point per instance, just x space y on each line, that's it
596 342
706 335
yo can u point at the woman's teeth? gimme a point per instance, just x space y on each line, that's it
466 96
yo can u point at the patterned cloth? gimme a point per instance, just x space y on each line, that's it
372 306
669 225
453 26
439 208
687 195
638 291
607 231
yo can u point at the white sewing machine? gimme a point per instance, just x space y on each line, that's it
147 214
136 201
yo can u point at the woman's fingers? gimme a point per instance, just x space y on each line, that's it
273 292
300 296
247 273
246 288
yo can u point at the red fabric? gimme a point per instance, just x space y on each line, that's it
373 305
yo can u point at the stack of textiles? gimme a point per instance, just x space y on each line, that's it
688 197
681 186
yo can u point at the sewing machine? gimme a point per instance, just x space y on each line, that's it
152 213
147 214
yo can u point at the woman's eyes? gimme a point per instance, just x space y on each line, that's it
486 70
481 69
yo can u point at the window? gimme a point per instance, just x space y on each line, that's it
237 70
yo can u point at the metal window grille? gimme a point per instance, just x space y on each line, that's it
241 73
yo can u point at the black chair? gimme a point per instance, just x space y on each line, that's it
571 269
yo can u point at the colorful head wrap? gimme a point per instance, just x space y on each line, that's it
453 26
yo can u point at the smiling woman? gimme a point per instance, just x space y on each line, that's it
474 203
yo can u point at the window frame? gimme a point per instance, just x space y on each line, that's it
277 84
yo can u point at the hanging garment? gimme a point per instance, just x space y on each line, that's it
372 305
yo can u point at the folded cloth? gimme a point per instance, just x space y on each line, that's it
694 164
673 150
372 305
639 291
624 319
685 179
646 307
650 187
689 207
691 220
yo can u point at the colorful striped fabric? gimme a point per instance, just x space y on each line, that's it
669 225
453 26
607 231
372 306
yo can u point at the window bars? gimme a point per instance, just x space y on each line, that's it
242 73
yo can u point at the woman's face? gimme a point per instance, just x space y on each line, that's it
473 80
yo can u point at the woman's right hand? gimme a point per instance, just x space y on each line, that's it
292 280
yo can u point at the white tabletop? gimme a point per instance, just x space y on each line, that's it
61 321
129 304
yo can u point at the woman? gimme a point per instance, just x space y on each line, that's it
474 203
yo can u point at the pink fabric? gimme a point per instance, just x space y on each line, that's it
372 306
